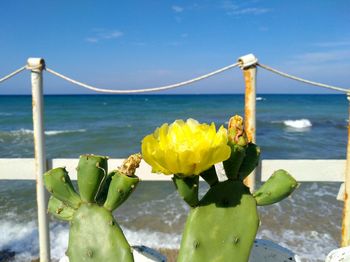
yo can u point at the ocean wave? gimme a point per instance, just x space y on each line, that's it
153 239
23 131
22 239
259 98
309 245
58 132
298 124
5 114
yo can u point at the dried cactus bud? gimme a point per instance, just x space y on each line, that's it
236 133
130 164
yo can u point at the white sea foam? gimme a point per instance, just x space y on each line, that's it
311 246
23 131
22 238
259 98
298 124
153 239
58 132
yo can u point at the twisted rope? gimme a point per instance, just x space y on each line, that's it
304 80
166 87
160 88
13 73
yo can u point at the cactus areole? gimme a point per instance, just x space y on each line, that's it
221 226
94 234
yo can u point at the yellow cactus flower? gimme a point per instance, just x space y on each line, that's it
186 148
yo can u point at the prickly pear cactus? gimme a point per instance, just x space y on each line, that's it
223 224
94 233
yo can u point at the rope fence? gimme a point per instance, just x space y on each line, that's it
176 85
303 80
160 88
19 70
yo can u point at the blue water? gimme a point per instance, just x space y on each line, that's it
288 127
115 125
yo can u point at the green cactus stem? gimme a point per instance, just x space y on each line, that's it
222 227
210 176
103 191
120 189
58 183
187 186
95 236
94 233
233 164
59 209
92 170
250 161
279 186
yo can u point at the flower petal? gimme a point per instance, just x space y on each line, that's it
187 147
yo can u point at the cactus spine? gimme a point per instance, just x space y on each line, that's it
94 233
223 224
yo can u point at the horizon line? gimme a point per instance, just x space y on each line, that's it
180 94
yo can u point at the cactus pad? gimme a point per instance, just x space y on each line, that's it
222 226
94 233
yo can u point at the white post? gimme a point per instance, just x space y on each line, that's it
36 65
345 239
248 65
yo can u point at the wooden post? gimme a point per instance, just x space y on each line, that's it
36 65
345 237
248 65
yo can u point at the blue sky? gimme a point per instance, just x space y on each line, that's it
139 44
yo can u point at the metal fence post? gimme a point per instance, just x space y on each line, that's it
36 65
345 240
248 65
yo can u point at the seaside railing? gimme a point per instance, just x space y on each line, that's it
322 170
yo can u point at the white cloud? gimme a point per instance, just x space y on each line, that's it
323 57
91 39
177 9
250 11
324 66
111 34
103 34
233 9
333 44
229 5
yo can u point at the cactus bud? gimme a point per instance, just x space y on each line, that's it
236 133
130 164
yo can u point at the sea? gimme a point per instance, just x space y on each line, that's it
288 127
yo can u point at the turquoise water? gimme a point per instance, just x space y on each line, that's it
288 126
115 125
